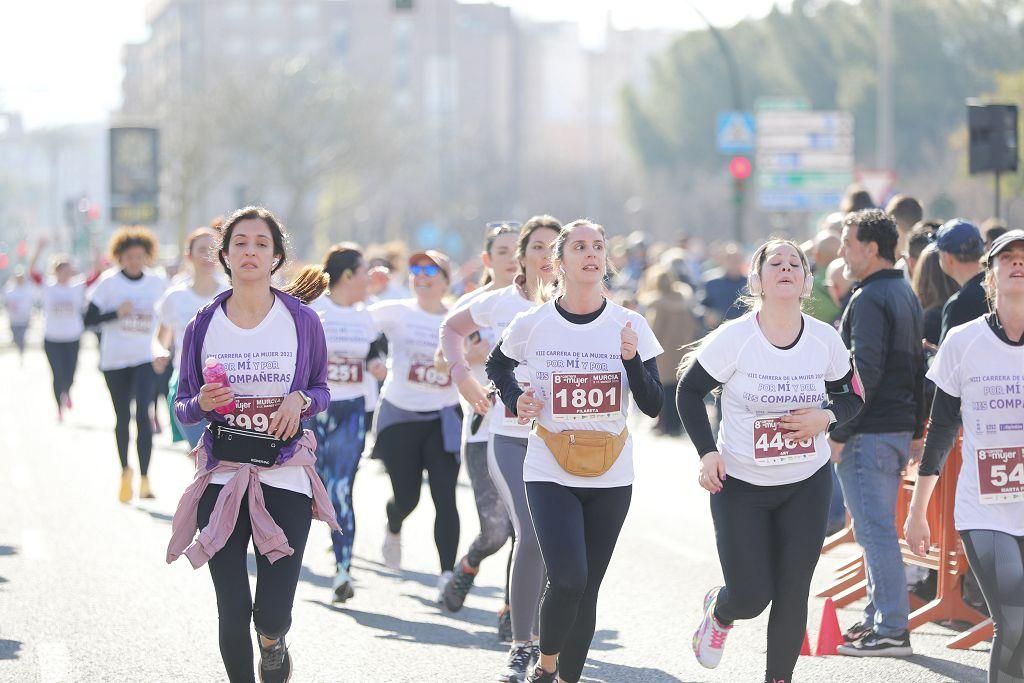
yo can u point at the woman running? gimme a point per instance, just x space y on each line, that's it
584 356
499 260
978 384
123 303
179 305
255 474
418 422
19 297
353 352
768 472
507 451
63 307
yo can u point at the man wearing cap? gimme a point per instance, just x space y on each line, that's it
960 248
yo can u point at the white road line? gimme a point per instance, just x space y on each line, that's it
54 662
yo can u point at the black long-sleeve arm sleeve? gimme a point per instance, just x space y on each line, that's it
645 384
501 371
942 432
844 402
694 385
93 316
378 348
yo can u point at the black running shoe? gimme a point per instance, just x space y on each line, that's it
275 662
539 675
505 625
874 645
856 632
456 590
519 659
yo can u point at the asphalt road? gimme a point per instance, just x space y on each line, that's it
85 593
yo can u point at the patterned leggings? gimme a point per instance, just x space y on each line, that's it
340 435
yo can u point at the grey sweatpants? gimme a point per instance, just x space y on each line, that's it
495 526
505 458
997 559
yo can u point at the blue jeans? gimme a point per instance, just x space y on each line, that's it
870 476
340 436
837 506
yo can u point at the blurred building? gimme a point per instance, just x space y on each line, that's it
509 109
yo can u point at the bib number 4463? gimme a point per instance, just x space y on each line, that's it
773 446
1001 475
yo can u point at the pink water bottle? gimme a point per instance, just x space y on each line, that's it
215 372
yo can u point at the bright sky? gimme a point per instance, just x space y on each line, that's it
60 60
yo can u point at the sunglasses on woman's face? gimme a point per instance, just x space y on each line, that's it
428 269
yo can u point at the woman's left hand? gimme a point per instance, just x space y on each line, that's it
287 419
805 423
628 339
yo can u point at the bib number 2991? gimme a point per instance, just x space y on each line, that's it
772 446
1001 475
586 396
254 412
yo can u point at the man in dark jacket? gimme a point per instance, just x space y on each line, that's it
960 248
882 326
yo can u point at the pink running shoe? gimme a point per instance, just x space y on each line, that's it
709 639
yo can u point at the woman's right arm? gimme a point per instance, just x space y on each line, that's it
501 370
186 402
694 385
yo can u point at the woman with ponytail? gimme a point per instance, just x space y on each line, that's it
337 291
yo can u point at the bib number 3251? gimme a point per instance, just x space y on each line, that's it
343 370
585 396
254 412
772 446
1001 475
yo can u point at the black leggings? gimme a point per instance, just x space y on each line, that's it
769 540
275 583
577 529
407 449
63 357
998 561
127 386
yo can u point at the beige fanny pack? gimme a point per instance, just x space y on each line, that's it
584 453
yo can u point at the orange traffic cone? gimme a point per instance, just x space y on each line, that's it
805 651
829 635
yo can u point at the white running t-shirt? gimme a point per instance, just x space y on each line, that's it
63 306
127 341
577 371
177 307
413 383
260 363
761 383
349 330
987 374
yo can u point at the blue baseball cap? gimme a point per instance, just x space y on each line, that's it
958 236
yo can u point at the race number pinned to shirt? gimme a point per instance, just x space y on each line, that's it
423 373
136 323
1001 475
254 412
772 446
344 370
585 396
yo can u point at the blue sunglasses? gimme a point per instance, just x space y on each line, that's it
430 270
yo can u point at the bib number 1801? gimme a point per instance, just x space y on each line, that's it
586 396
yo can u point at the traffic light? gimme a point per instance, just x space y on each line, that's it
740 168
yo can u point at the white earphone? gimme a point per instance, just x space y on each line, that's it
754 281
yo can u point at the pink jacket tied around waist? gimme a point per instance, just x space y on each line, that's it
267 536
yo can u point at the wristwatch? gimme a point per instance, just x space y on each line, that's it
307 401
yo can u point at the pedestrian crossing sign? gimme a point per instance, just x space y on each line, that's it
735 132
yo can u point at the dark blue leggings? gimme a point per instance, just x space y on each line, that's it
340 436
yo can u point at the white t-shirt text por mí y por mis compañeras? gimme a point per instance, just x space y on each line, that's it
761 383
127 341
577 371
350 331
260 362
63 306
413 383
987 374
495 311
177 307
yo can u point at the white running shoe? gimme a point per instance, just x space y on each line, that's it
442 581
709 639
392 550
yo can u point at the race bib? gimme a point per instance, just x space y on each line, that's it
579 396
773 447
64 309
254 412
136 323
344 370
1001 475
423 373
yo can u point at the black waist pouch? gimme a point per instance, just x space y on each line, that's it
246 446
